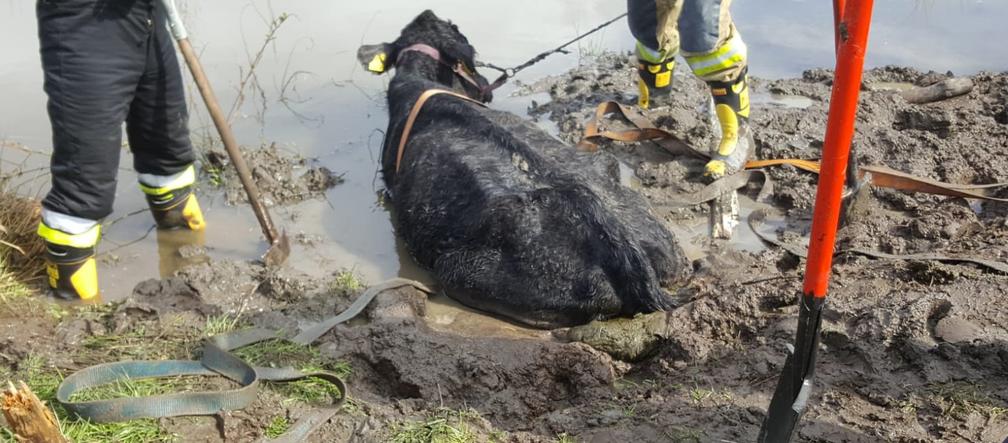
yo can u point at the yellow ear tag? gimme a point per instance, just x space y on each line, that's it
377 64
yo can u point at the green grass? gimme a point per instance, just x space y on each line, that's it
215 176
44 380
997 412
698 394
277 427
443 426
11 289
15 297
282 353
681 434
956 400
134 345
564 437
221 324
347 281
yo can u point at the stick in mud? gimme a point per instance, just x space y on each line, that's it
724 215
29 418
942 90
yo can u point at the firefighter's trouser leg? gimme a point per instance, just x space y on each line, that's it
703 31
106 63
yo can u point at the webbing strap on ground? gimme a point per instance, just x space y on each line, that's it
875 175
881 176
757 217
718 188
217 360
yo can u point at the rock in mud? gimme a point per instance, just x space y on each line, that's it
957 330
628 339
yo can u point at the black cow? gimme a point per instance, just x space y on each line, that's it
509 219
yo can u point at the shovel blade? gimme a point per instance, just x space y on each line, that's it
782 418
791 397
278 251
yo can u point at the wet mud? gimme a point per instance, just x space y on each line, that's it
911 350
282 175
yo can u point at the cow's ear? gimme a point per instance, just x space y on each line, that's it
375 58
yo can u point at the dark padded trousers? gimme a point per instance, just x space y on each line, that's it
107 62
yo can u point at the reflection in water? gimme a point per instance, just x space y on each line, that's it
315 99
765 99
446 314
178 248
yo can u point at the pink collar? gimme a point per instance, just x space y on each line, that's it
458 68
428 50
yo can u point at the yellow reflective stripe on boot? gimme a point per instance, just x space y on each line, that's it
663 80
53 271
192 214
85 280
729 55
187 178
83 240
729 129
644 97
742 89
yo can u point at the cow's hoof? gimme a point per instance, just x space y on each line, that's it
627 339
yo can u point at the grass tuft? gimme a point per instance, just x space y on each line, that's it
347 281
443 426
282 353
221 324
681 434
958 399
44 380
277 427
11 288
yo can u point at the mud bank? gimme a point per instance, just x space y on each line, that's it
911 350
905 342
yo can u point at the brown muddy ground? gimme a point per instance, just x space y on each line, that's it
911 351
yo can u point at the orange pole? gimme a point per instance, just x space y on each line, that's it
853 33
790 399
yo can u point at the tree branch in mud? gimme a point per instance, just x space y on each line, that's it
30 419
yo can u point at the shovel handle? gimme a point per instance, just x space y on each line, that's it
175 25
220 121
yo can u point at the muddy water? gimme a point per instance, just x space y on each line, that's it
314 99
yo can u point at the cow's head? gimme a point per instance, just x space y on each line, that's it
452 50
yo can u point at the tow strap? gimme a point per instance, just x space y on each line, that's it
881 176
217 360
877 175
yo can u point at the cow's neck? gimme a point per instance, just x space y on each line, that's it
419 65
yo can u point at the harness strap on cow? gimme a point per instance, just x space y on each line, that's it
415 111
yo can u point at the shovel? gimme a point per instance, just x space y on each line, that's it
279 245
790 399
